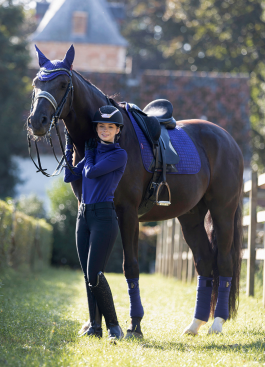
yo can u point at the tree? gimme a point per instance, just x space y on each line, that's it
228 36
14 91
206 35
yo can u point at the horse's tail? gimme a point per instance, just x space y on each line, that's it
236 251
237 259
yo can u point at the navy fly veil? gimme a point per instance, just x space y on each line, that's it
46 64
189 162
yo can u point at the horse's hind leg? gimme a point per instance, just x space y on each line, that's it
226 228
196 237
129 227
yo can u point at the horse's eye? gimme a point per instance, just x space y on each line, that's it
63 86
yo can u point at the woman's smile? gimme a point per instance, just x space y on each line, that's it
107 131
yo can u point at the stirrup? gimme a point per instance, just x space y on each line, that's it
163 203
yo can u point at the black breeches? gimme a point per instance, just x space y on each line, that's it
96 232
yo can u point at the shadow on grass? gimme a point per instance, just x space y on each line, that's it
186 346
34 315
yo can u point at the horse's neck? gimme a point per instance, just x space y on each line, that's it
86 102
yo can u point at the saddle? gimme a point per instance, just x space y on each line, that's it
155 120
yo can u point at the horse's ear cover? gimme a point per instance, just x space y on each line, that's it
56 67
69 56
41 57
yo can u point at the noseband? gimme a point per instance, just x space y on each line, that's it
54 123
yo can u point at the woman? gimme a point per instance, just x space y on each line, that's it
97 224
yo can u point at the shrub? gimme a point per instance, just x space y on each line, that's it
24 240
63 219
31 205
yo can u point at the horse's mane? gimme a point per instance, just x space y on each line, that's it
97 90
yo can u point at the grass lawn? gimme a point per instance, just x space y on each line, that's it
41 313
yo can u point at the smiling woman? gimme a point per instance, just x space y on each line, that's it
101 170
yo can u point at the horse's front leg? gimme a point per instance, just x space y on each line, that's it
129 227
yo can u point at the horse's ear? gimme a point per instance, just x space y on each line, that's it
69 56
41 57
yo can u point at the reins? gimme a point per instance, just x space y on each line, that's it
54 123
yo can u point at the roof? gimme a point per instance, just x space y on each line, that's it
56 25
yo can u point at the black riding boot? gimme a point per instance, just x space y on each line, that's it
94 325
105 303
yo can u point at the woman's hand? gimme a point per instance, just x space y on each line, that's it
91 144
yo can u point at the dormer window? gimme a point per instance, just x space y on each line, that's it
79 24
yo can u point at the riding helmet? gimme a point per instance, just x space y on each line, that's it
108 114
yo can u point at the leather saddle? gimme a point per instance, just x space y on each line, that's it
162 110
155 120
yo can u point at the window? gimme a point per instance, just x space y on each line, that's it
79 25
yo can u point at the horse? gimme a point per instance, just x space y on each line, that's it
207 204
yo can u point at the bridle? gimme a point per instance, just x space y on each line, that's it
54 123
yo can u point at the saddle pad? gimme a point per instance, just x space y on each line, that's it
189 162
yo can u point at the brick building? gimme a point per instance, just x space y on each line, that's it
90 25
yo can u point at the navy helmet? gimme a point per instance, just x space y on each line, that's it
109 115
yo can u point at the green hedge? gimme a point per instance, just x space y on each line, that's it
24 241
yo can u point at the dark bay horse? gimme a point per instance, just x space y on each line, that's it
215 190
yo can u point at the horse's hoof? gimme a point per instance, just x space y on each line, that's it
189 332
194 327
115 333
217 326
133 335
84 328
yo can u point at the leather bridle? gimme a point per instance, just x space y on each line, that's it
54 123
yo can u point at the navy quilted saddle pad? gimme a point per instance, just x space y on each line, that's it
189 162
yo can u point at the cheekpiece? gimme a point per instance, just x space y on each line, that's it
47 66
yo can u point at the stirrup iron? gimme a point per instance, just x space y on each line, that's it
163 203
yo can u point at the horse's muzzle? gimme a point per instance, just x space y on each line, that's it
40 125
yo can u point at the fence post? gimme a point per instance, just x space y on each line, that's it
161 247
171 244
252 234
264 267
184 256
190 266
158 250
180 249
169 240
164 258
176 247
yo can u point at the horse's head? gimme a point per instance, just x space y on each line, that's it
51 85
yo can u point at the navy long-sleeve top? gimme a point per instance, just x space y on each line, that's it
101 170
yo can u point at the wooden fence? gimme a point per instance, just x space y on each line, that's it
175 259
173 256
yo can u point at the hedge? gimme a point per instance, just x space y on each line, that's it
24 241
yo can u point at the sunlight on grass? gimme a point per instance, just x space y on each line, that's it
41 313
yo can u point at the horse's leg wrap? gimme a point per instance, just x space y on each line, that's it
221 312
222 305
203 303
136 308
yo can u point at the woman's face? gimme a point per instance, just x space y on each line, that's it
107 132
